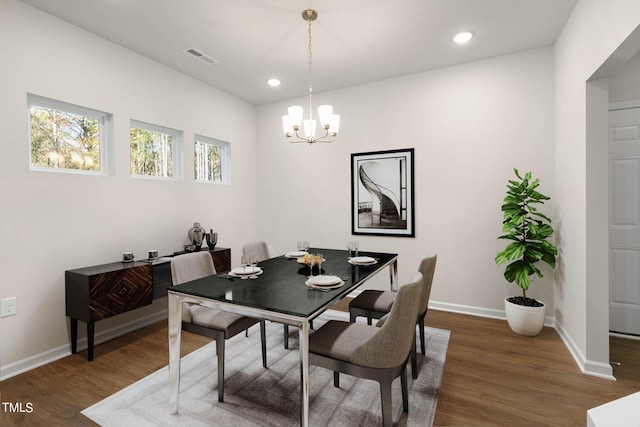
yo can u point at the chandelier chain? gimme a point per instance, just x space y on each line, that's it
310 86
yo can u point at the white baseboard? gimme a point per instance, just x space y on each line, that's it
587 367
480 312
57 353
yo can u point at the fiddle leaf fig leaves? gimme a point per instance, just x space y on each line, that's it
528 229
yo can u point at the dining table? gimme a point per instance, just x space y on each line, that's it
279 293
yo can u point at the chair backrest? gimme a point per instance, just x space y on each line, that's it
427 268
260 249
390 346
187 267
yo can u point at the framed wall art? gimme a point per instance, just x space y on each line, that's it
382 193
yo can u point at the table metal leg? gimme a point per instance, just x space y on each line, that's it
175 334
393 275
303 348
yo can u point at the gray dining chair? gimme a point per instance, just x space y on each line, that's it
371 352
216 324
259 249
376 304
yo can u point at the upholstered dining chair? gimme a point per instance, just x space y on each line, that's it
216 324
375 353
258 249
376 304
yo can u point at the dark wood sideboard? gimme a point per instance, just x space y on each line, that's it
102 291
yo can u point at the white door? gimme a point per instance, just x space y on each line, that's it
624 220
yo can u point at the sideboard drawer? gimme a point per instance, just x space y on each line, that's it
120 291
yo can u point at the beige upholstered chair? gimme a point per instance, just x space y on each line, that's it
216 324
375 304
375 353
258 249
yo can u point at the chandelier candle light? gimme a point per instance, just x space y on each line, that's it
330 122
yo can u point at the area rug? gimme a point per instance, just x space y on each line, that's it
255 396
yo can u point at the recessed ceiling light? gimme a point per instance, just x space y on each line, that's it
273 82
463 37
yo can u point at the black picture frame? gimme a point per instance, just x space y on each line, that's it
382 193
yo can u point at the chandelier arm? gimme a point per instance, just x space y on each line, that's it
327 137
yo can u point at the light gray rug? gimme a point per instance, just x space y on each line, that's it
255 396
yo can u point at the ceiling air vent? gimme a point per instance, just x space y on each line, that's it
200 55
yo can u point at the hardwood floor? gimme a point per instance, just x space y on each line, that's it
492 377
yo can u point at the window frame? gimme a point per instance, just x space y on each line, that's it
176 150
105 134
225 159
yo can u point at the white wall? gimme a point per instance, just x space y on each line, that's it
624 84
52 222
594 31
469 125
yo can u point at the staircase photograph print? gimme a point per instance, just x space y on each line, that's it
382 193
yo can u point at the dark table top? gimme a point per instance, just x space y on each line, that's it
281 287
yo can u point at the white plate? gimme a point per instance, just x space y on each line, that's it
257 273
295 254
337 285
241 271
362 260
323 280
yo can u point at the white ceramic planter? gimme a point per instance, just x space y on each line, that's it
524 320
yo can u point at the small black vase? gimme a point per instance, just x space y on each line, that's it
212 239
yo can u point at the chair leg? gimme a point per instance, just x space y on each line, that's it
263 341
414 360
405 390
336 379
352 316
421 328
385 394
369 320
286 337
220 349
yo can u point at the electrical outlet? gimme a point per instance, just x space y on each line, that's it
8 307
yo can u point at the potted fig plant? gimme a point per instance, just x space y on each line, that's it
527 229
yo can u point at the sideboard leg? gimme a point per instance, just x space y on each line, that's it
74 335
90 334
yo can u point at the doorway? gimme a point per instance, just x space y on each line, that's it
624 218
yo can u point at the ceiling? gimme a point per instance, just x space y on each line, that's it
354 41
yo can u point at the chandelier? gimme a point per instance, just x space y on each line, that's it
292 123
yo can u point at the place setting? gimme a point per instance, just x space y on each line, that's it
303 249
357 259
248 270
324 282
362 260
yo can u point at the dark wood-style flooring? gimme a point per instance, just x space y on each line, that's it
492 377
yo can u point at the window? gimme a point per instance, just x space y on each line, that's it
211 160
155 151
67 138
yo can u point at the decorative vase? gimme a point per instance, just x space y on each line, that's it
524 320
196 235
212 239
